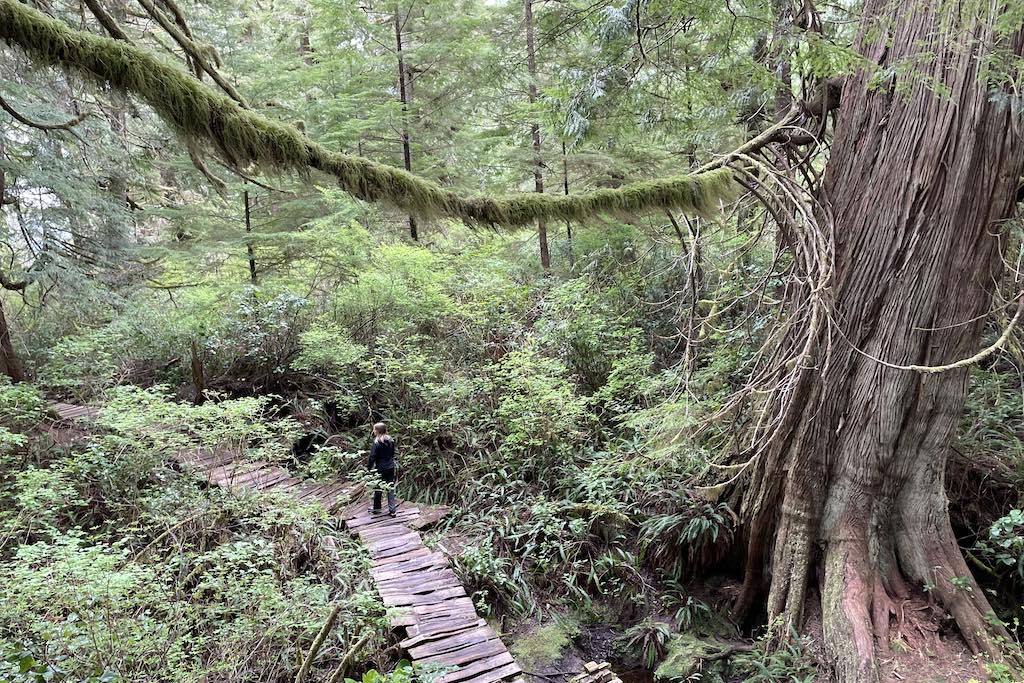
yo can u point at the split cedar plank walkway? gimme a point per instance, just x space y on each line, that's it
428 601
223 468
418 584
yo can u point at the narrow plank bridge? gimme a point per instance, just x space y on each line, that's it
426 601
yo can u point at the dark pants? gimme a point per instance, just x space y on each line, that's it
389 477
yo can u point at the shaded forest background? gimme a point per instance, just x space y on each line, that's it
570 390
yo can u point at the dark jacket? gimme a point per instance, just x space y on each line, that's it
382 454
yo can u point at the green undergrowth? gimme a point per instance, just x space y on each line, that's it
118 567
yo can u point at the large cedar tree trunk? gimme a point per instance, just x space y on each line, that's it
850 498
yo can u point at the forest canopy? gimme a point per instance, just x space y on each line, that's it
728 389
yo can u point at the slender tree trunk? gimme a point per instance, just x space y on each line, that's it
10 364
565 186
778 58
198 374
538 164
405 95
250 250
919 184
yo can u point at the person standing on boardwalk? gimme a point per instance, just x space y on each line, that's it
382 458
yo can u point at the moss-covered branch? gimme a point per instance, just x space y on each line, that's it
243 137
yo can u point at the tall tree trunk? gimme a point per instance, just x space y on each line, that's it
10 364
249 249
778 58
918 185
405 96
565 187
538 164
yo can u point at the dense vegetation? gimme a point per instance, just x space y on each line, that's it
591 405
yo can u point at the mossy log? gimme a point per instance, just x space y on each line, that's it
243 137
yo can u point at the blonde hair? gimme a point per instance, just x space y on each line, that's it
380 432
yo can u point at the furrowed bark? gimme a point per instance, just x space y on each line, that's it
919 184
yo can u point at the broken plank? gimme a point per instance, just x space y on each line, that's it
425 579
418 588
402 599
492 676
391 570
478 668
479 634
468 654
446 628
396 556
453 606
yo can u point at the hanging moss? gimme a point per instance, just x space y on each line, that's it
243 137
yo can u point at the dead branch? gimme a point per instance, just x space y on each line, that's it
21 118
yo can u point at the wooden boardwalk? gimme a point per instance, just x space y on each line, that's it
226 470
426 601
67 411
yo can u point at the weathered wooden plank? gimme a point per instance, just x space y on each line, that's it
494 675
388 542
402 599
428 517
418 588
340 497
479 668
415 564
402 617
453 606
425 579
335 492
214 460
452 642
366 518
247 479
437 632
272 477
382 531
383 519
399 555
68 411
468 654
224 475
283 486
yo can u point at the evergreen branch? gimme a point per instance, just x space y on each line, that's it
18 116
106 21
243 137
193 50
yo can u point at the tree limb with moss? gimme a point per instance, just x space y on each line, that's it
243 137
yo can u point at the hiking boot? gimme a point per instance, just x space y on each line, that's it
374 511
393 513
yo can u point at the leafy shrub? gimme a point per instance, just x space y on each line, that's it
700 534
483 571
1003 549
645 642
